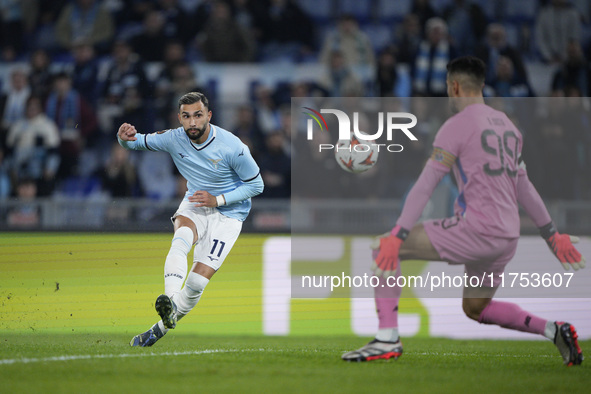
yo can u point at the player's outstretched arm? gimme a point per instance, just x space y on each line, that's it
127 132
560 244
386 260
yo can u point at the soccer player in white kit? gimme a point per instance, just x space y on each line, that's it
221 178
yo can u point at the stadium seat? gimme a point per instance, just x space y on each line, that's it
521 11
440 5
78 186
322 11
490 8
392 11
360 9
380 34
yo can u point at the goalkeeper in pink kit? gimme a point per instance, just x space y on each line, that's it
483 148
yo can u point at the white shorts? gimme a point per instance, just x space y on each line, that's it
216 233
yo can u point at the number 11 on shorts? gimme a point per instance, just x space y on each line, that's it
215 245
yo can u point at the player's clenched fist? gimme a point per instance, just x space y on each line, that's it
127 132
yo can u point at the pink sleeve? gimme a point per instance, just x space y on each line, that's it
449 137
530 200
420 193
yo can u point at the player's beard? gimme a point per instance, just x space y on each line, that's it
199 134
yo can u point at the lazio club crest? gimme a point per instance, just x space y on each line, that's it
214 162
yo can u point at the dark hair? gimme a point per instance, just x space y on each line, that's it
470 66
61 75
192 98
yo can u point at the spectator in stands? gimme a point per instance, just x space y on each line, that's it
13 102
350 41
174 52
267 112
286 31
429 71
85 20
118 176
183 80
126 90
177 24
44 35
408 38
555 149
11 25
424 11
466 23
133 12
574 71
5 183
507 82
156 175
86 71
149 44
556 25
243 13
75 119
27 213
8 54
247 129
496 46
33 143
576 119
275 167
386 73
223 39
40 74
197 16
340 79
30 10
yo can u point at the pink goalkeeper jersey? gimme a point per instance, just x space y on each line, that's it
486 146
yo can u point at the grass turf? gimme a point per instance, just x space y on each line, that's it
70 303
278 364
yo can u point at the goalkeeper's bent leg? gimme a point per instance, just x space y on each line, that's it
511 316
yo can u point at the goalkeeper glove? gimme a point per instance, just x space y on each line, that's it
562 247
386 248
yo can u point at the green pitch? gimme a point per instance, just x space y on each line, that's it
70 303
104 362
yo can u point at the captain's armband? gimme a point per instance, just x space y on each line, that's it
441 156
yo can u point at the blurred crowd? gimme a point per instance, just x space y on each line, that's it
59 111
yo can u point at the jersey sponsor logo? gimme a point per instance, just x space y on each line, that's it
162 131
241 153
215 162
212 258
183 155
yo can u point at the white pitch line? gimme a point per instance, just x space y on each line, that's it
481 354
211 351
122 355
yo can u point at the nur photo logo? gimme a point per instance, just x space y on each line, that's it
387 121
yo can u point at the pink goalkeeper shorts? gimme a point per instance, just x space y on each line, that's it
457 243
